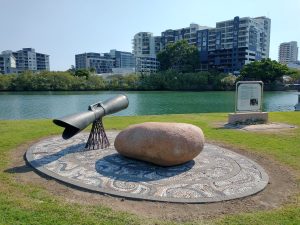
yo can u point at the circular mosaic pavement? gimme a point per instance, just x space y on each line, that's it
216 174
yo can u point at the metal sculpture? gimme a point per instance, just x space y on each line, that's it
75 123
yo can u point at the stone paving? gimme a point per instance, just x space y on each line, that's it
216 174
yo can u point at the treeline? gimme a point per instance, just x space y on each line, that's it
197 81
49 81
68 81
272 73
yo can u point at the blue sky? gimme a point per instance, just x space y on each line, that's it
63 28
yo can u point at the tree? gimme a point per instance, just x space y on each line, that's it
82 73
95 83
93 71
72 70
6 81
266 70
295 75
179 56
229 80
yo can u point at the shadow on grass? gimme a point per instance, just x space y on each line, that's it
19 169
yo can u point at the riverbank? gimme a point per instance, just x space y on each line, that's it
37 200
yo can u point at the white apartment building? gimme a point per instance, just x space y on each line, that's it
144 50
7 62
288 52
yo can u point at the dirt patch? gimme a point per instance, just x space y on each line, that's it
282 186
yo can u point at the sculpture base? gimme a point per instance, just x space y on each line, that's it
248 118
216 174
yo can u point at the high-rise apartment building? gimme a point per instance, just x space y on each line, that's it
25 59
234 43
226 47
145 48
101 63
288 52
144 44
7 62
187 33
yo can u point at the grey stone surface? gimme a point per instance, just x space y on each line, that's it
248 117
216 174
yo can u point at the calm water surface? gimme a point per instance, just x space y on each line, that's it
29 105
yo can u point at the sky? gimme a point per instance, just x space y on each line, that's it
63 28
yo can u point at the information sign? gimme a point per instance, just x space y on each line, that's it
249 96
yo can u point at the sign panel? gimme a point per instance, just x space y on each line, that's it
249 96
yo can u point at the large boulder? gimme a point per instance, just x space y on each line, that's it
164 144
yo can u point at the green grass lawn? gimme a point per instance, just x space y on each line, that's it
27 204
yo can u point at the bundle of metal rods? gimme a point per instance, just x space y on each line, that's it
97 138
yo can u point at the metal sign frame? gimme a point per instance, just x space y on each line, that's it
261 96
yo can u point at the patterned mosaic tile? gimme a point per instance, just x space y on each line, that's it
216 174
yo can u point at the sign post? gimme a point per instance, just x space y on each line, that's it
248 104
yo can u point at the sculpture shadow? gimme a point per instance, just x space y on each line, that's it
54 157
19 169
44 160
121 168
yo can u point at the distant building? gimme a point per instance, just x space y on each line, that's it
101 63
119 62
145 47
157 44
7 62
42 62
234 43
294 65
123 71
190 34
227 47
288 52
22 60
147 64
187 33
122 59
28 59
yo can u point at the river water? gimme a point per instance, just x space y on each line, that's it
32 105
